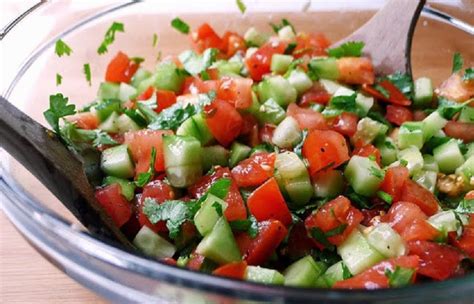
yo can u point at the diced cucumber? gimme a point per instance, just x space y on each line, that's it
445 221
364 103
293 178
262 275
278 89
126 92
386 241
304 272
344 91
331 86
357 254
270 112
280 63
467 169
207 215
286 33
250 51
116 162
144 84
153 245
325 68
108 90
368 130
167 77
214 156
196 126
183 160
467 114
287 134
146 111
470 150
254 38
238 152
128 187
410 134
219 245
320 282
328 184
448 156
423 92
300 81
388 150
228 68
432 124
124 124
426 179
110 124
429 163
333 274
140 75
364 175
107 107
413 158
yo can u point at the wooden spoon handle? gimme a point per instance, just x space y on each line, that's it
40 151
388 35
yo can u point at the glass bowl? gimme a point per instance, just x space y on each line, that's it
124 277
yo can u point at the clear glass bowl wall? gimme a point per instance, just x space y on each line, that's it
122 276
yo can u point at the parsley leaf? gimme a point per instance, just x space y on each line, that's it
61 48
289 49
218 207
385 197
180 25
220 188
465 206
284 22
458 62
382 90
102 138
339 104
87 72
249 225
400 277
319 235
110 37
58 108
346 273
241 6
194 63
59 79
155 39
136 117
468 74
174 212
137 60
403 82
336 231
145 177
360 201
374 171
348 49
448 108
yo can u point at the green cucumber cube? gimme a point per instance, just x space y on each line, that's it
330 184
304 272
414 159
270 112
325 68
280 63
388 151
445 221
426 179
116 162
410 134
286 33
207 215
238 152
432 124
386 241
254 38
364 103
364 175
278 89
448 156
127 187
110 125
124 124
467 169
467 114
108 90
167 77
126 92
429 163
300 81
287 134
262 275
196 126
214 156
140 75
106 107
333 274
153 245
368 130
423 92
331 86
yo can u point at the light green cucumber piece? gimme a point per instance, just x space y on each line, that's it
470 150
124 124
126 92
153 245
228 68
286 33
448 156
262 275
388 150
325 68
287 134
166 77
304 272
207 215
426 179
364 175
116 162
140 75
423 92
410 134
144 84
300 81
357 254
467 169
108 90
467 114
278 89
238 152
429 163
183 160
330 184
148 113
332 275
128 187
196 126
270 112
214 156
110 125
331 86
219 244
368 130
432 124
386 241
364 103
280 63
445 221
414 159
106 107
254 38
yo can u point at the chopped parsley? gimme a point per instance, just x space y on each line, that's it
322 237
155 39
403 162
194 63
58 108
249 225
299 147
145 177
102 138
448 108
348 49
180 25
218 207
110 37
465 206
59 79
241 6
382 90
346 273
87 72
403 82
137 60
385 197
339 104
458 62
468 74
289 49
61 48
400 277
374 171
284 22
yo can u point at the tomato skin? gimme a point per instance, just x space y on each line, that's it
147 93
114 204
223 120
375 278
460 130
84 120
195 262
402 214
307 118
395 96
234 270
169 261
466 241
419 195
161 192
299 243
254 170
312 44
236 91
267 203
140 144
419 230
164 99
355 70
120 69
325 149
437 261
398 115
346 124
337 212
315 95
258 250
259 63
454 88
232 43
368 150
265 133
205 37
394 180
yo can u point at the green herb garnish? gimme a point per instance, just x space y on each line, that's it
145 177
348 49
110 37
58 108
385 197
458 62
241 6
155 39
59 79
62 48
400 277
468 74
180 25
87 72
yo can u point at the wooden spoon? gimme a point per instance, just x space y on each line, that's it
388 36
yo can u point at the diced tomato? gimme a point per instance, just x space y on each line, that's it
84 120
213 73
114 204
398 115
232 43
394 180
223 120
140 144
419 230
454 88
460 130
313 44
333 214
237 91
375 277
259 63
355 70
370 214
307 118
205 37
325 150
419 115
466 241
402 215
161 192
234 270
346 124
194 85
195 262
164 99
120 69
299 243
394 95
267 203
258 250
367 151
469 195
147 93
414 193
317 94
437 261
265 133
254 170
249 123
